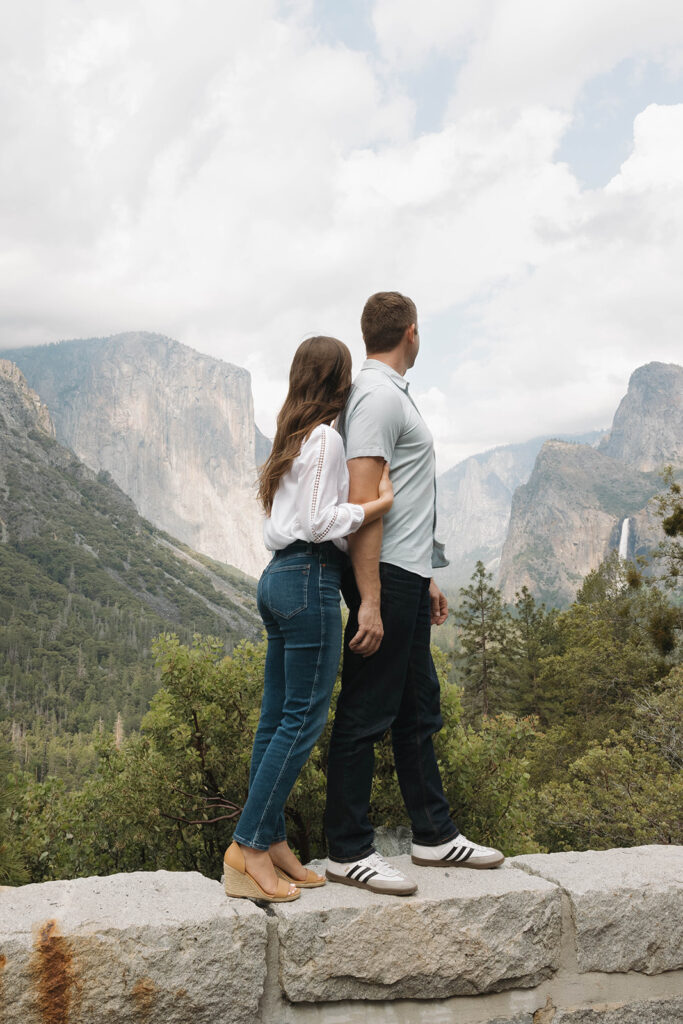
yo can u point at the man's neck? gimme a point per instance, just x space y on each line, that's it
396 359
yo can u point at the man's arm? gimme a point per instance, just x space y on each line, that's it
364 548
438 604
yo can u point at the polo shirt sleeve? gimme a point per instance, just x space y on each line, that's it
373 424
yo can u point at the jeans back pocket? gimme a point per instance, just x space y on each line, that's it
287 589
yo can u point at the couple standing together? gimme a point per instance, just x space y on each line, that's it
335 521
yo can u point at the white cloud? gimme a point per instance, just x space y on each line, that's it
214 172
604 299
534 50
657 160
408 35
519 52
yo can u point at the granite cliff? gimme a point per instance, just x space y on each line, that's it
474 499
174 428
571 513
647 431
86 583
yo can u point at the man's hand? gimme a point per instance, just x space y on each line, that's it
438 605
370 630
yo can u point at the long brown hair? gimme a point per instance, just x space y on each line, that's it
319 384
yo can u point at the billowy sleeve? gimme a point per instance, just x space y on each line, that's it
322 481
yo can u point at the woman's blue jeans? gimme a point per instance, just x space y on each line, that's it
298 599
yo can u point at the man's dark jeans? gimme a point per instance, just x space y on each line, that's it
396 688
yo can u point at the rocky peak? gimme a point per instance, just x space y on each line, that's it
474 500
647 431
174 428
20 407
566 519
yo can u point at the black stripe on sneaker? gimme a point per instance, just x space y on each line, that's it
363 875
354 871
467 855
452 853
371 875
463 853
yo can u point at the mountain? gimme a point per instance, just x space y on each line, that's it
572 511
647 431
474 499
174 428
86 583
568 517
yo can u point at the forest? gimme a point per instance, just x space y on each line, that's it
562 728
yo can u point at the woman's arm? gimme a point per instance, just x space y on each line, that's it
320 514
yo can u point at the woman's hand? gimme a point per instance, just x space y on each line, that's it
386 491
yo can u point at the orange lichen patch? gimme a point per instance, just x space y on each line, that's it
180 993
3 963
546 1014
52 967
144 993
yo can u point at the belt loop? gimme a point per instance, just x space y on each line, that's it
309 548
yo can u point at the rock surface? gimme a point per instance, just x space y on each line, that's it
567 519
21 407
174 428
161 947
494 947
627 905
463 933
48 497
474 499
647 431
652 1011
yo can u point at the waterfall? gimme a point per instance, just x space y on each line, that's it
623 540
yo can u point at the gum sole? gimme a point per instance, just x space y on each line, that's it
454 864
363 885
239 885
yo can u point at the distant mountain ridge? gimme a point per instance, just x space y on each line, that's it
474 500
86 583
568 517
174 428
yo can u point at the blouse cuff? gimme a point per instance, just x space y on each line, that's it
357 517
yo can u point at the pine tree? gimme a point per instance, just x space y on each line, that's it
484 634
532 637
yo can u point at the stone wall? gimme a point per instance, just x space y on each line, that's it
570 938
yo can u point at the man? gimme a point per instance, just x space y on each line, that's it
388 678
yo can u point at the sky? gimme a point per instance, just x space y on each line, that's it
240 175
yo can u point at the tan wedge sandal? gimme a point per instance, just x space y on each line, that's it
311 881
238 883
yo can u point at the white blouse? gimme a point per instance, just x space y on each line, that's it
310 502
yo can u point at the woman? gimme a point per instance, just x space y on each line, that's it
303 489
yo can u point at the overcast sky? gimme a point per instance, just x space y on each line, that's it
239 175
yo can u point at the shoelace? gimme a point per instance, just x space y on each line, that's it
476 847
375 860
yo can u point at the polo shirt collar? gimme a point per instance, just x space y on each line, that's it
377 364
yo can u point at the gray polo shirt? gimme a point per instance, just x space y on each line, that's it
380 419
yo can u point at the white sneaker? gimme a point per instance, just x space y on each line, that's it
372 872
460 852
